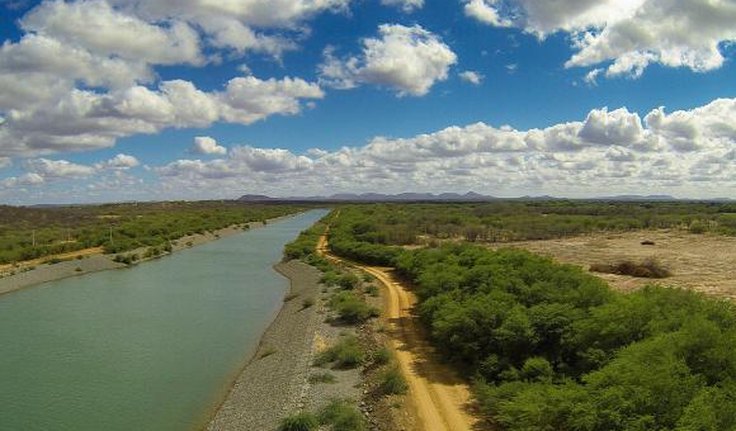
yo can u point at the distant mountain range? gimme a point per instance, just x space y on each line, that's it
443 197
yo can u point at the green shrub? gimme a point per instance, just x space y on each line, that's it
382 356
303 421
393 382
342 415
351 308
346 354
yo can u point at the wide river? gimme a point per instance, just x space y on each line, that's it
153 347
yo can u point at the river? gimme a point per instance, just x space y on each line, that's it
153 347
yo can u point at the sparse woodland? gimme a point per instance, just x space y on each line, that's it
29 233
549 346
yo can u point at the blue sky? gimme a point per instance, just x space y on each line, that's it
503 97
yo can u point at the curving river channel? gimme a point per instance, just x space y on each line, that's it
153 347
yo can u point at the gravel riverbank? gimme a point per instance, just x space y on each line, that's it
275 381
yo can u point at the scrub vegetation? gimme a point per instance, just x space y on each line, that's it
507 221
34 232
549 346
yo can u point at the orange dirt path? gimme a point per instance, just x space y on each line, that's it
440 399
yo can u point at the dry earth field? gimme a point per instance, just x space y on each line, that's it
705 263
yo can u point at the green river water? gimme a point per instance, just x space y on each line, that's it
152 347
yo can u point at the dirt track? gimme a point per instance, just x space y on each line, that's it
440 400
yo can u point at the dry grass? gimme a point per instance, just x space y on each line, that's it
702 262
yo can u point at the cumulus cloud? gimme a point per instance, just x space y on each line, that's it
119 162
207 145
407 6
409 60
58 169
608 151
86 120
102 30
83 73
626 35
471 76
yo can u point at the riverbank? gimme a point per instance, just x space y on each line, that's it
25 274
274 382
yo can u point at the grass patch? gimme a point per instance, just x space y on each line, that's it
372 290
346 354
382 356
303 421
351 308
393 382
342 415
324 377
649 268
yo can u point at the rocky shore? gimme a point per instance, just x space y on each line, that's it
275 381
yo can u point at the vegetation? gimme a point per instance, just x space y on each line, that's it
393 382
382 356
29 233
342 415
346 354
361 229
650 268
303 421
549 346
351 308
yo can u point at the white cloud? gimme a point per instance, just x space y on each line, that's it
627 35
58 169
472 77
86 120
96 26
83 73
485 11
607 152
407 6
119 162
207 145
408 59
610 151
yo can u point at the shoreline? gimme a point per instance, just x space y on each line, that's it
273 381
43 273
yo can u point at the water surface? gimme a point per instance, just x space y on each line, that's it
147 348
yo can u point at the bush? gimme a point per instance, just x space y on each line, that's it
307 302
382 356
303 421
342 416
351 308
649 268
393 382
346 354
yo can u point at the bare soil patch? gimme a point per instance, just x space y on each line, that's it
702 262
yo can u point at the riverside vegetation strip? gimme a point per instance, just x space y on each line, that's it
549 346
34 232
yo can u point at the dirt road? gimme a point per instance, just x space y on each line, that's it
440 399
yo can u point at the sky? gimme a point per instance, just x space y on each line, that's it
131 100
